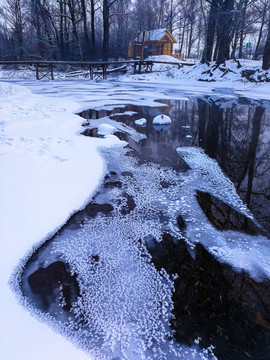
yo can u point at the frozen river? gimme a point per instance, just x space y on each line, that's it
203 179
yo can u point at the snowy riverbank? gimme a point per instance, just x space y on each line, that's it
48 171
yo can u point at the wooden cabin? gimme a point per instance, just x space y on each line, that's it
152 42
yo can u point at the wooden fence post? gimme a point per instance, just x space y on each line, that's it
37 73
52 77
91 72
104 69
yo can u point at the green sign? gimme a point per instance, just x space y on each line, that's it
201 52
248 45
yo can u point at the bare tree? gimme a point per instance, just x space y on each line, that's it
106 26
11 12
86 45
266 52
263 18
93 29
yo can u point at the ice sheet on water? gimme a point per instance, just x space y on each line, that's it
125 302
207 176
125 305
243 252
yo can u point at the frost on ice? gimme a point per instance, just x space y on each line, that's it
209 177
232 247
124 307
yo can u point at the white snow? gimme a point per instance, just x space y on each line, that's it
106 129
152 35
140 122
187 78
47 173
161 120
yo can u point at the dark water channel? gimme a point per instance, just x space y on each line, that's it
235 132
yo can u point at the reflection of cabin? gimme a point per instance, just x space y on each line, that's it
154 42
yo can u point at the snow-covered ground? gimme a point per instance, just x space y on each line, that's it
192 78
49 171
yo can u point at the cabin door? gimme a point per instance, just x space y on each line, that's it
166 48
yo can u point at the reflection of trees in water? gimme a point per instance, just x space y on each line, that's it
236 137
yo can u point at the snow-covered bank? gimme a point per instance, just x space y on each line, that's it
48 171
202 78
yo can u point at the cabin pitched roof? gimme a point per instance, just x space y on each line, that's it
157 35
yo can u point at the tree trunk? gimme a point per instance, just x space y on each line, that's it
224 33
76 39
260 33
192 23
87 45
243 19
19 28
61 31
266 52
93 30
106 29
211 30
36 23
183 37
238 24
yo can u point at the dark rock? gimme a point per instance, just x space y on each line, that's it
121 135
113 184
164 184
90 132
94 258
130 204
127 173
54 281
93 209
180 222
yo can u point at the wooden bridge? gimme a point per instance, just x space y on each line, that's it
45 69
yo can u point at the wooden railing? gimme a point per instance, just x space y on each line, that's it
45 69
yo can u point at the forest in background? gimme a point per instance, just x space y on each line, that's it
98 29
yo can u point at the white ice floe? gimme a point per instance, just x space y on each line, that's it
108 123
162 120
140 122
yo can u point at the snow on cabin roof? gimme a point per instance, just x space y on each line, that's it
155 35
